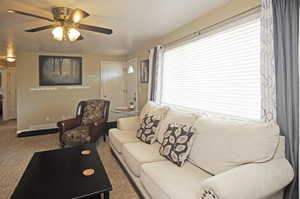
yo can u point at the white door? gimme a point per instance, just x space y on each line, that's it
11 94
112 83
131 82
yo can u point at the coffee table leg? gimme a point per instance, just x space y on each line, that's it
106 195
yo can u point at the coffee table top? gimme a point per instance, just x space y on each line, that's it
58 174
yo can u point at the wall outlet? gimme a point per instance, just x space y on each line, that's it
47 118
63 117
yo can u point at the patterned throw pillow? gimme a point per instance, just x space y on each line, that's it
147 131
177 143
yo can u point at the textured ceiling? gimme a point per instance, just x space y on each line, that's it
134 22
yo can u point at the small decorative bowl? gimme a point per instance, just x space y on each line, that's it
88 172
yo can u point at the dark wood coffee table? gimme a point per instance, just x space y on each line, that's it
57 174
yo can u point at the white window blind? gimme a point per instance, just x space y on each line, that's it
219 72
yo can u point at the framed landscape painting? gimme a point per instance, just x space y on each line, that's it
60 70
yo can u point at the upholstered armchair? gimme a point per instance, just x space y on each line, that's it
88 124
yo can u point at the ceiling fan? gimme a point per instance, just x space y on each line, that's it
65 23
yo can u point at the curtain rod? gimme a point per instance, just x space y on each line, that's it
211 26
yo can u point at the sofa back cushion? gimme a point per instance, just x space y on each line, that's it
157 111
154 109
93 111
221 145
175 116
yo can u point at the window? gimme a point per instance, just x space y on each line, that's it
219 72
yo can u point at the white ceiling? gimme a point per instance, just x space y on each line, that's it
134 22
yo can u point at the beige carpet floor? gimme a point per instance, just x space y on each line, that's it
15 154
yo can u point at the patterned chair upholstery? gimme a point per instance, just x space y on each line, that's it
88 124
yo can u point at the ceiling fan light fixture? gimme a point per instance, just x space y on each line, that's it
58 33
11 11
130 69
77 17
73 34
10 59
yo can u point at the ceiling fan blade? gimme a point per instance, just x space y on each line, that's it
39 28
29 15
95 29
77 15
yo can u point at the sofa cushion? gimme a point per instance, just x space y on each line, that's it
221 145
136 154
152 108
118 138
148 127
177 143
76 136
175 116
165 180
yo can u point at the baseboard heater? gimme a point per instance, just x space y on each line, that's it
38 132
43 129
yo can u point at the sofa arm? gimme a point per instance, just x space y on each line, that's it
128 123
251 181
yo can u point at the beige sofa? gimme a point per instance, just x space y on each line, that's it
259 172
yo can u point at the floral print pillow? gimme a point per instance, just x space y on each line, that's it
177 143
147 131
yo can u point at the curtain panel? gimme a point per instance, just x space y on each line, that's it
286 41
155 73
268 82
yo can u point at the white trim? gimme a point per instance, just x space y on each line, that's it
4 95
135 60
151 54
299 112
21 131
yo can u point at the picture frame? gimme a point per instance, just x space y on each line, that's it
144 71
60 70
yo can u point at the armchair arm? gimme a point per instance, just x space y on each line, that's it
129 123
251 181
68 124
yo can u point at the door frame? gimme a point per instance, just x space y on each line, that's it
137 79
3 88
4 95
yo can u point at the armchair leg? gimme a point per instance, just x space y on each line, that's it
104 137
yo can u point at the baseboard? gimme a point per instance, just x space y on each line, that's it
37 132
